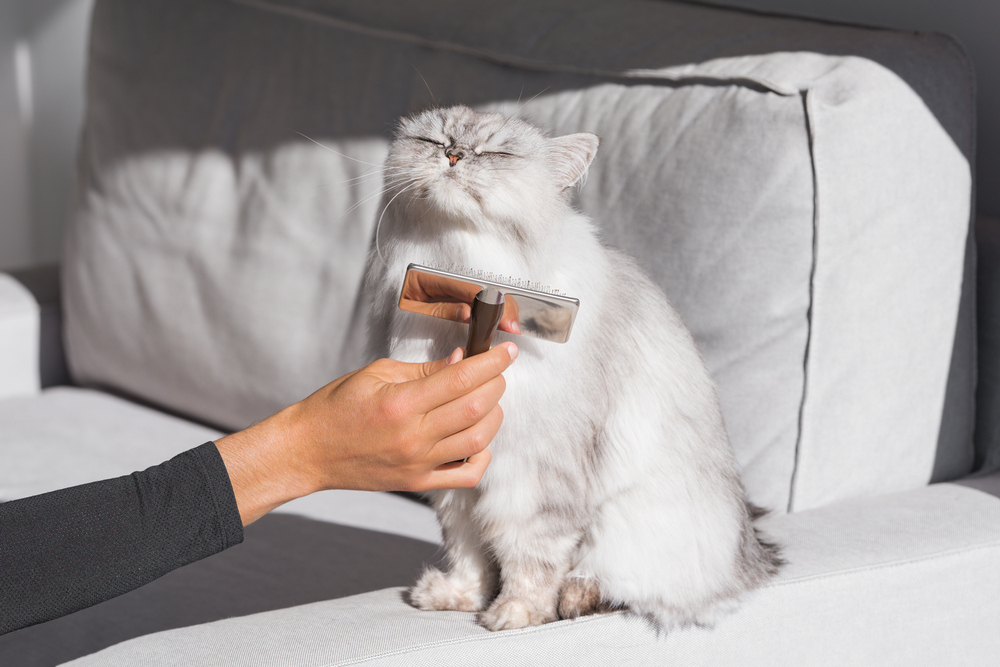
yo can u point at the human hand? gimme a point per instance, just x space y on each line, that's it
450 299
388 426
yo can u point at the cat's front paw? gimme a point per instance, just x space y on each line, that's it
436 592
511 613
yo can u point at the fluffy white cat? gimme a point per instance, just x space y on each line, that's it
612 483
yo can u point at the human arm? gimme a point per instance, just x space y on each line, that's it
390 426
387 426
69 549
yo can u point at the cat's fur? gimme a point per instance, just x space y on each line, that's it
612 483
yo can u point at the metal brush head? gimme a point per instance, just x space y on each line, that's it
530 309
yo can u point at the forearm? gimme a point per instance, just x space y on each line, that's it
69 549
264 466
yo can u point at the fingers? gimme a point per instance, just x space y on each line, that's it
408 372
458 475
467 443
453 472
464 412
510 322
444 384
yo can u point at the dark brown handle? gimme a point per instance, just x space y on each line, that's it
487 309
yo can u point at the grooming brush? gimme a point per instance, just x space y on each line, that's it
487 301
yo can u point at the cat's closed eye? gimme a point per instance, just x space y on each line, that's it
435 142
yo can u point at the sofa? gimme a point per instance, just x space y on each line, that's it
801 190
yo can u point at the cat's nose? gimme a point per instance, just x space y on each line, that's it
454 154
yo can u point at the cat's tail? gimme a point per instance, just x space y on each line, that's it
766 553
757 560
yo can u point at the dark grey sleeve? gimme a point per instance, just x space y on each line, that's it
69 549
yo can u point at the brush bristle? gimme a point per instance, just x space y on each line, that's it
501 279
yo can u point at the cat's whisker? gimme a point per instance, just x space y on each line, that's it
361 202
433 99
518 110
378 225
371 164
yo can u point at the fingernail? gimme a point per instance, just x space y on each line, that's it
454 357
512 351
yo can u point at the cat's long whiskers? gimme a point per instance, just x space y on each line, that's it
368 177
518 110
371 164
360 202
433 99
378 225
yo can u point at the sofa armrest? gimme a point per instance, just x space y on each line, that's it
19 339
42 283
892 579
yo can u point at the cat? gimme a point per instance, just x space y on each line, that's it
612 483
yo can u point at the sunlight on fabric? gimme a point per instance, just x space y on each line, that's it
22 74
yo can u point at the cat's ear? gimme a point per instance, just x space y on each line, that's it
571 155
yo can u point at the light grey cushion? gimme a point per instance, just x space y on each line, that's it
284 561
20 321
801 192
907 579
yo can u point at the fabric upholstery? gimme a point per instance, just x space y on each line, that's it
878 581
807 212
19 336
284 561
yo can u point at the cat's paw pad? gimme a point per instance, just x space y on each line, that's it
580 597
435 592
511 613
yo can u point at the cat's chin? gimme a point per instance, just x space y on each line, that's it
458 207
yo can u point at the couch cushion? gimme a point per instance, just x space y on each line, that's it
888 580
19 327
284 561
807 212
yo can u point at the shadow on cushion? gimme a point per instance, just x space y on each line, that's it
285 560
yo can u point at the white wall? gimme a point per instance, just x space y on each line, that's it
42 58
976 24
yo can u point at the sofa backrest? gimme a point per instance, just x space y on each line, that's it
800 191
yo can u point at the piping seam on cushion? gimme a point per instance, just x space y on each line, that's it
811 136
514 61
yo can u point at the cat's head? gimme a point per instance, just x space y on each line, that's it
472 168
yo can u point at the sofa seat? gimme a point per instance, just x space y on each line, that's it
878 581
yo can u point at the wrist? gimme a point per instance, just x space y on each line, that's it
263 467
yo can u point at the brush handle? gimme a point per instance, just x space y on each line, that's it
487 309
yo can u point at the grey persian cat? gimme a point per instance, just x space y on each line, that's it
612 484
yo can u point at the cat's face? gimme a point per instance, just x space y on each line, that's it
477 169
